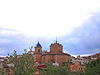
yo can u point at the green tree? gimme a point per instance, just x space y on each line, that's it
93 68
23 65
57 70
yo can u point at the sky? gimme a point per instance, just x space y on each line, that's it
75 24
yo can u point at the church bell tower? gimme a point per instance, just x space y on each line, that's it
38 48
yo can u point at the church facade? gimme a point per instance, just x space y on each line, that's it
55 55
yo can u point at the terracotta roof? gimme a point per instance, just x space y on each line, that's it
2 57
41 66
58 53
71 65
30 52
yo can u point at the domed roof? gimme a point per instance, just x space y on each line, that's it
38 44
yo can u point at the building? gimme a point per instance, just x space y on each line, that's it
55 55
5 66
77 67
81 60
94 57
2 60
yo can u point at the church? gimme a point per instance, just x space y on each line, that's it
55 55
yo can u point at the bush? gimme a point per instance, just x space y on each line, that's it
23 65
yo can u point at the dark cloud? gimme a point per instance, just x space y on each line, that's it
13 44
86 39
10 42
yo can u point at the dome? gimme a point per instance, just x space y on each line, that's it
38 44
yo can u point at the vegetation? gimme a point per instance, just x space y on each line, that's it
93 68
56 70
22 65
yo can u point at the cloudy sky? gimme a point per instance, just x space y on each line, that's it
75 23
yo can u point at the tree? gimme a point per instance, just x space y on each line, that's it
93 68
57 70
23 65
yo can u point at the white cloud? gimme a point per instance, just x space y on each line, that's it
76 40
8 32
82 55
45 18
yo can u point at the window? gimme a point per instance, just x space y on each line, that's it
38 50
79 68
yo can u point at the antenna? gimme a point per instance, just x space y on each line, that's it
56 39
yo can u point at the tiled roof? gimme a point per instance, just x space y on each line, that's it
60 53
38 44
